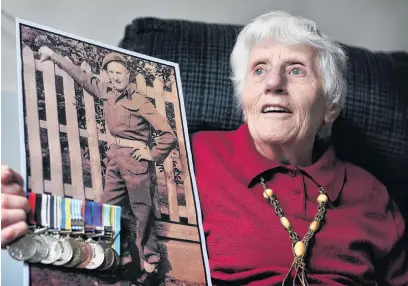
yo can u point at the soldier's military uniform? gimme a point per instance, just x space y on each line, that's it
129 115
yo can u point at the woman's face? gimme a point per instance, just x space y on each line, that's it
283 99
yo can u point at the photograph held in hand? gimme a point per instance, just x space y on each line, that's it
108 168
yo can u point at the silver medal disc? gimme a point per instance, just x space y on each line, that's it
55 250
23 248
66 254
98 256
42 249
77 255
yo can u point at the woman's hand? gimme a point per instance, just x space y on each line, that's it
14 206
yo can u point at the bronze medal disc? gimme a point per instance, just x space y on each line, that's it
42 249
98 256
23 248
77 255
109 257
116 262
87 251
55 250
67 253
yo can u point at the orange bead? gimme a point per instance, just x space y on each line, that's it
322 198
285 222
314 226
268 193
299 249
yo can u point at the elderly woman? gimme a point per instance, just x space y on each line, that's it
278 205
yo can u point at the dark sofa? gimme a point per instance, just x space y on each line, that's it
372 130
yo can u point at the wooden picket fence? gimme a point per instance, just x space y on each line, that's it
172 228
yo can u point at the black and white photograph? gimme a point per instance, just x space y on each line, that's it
108 127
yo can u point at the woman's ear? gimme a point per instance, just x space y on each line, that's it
332 113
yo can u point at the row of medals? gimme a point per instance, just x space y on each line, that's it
65 251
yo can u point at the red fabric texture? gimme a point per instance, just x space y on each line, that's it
360 242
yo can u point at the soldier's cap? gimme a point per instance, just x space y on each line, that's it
113 57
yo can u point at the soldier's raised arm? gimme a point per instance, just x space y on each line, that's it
87 81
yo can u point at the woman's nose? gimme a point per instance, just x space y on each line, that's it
275 83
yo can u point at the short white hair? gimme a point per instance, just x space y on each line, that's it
290 29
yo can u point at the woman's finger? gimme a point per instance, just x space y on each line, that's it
6 175
9 176
12 189
14 202
10 217
17 178
11 232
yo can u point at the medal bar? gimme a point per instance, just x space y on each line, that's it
70 233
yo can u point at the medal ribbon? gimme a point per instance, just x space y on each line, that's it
77 214
112 217
48 211
81 211
44 210
63 215
88 216
52 212
97 216
32 202
106 217
74 214
38 209
67 207
59 213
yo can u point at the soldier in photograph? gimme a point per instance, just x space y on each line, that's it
129 117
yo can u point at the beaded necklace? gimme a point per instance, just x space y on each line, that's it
299 247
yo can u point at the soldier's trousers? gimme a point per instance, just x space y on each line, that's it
128 179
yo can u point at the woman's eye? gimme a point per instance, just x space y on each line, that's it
259 71
297 72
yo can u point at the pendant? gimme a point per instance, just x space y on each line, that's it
87 251
77 255
67 253
55 250
42 249
109 254
98 256
23 249
299 249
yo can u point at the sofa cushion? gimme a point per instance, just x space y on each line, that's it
372 130
202 52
